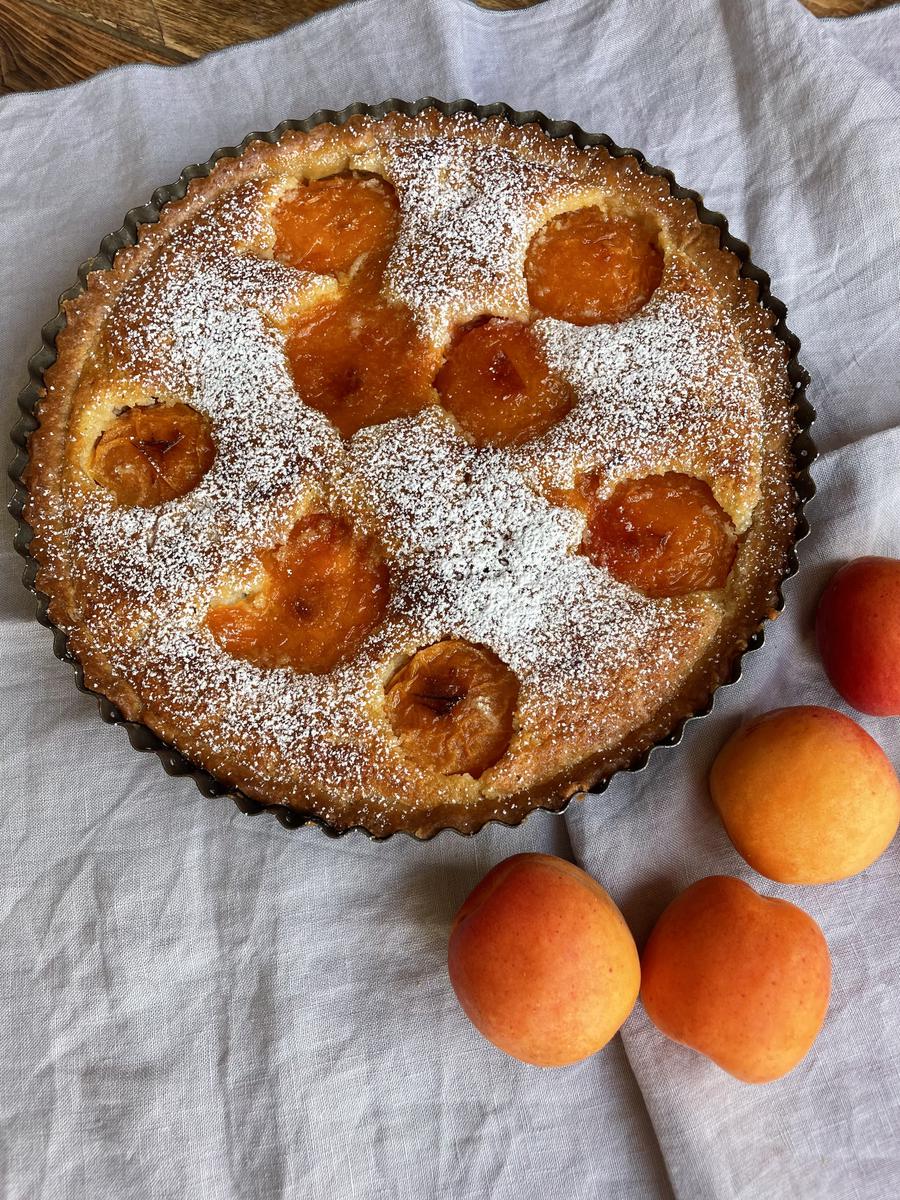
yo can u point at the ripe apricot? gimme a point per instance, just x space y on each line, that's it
542 961
153 453
805 795
452 707
329 225
665 535
858 634
497 385
360 361
591 268
739 977
325 589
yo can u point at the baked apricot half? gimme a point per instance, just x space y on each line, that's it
360 361
153 453
329 226
665 535
590 267
325 589
452 707
497 385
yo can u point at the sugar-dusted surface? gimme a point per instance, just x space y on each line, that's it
475 548
199 326
482 556
666 389
467 217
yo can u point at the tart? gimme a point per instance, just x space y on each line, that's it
415 471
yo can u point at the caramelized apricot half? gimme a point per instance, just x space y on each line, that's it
153 453
325 589
452 707
590 268
664 535
497 385
331 225
361 362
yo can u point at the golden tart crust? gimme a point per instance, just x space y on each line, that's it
477 546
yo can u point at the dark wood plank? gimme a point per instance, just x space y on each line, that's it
205 25
137 17
43 47
45 43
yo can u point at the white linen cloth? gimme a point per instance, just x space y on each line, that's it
196 1003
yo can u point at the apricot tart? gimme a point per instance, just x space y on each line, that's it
415 470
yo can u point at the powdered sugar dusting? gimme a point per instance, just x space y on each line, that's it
197 330
666 390
481 556
467 214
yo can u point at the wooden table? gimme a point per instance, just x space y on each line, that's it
47 43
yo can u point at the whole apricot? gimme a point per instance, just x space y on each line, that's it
738 977
805 795
542 961
858 634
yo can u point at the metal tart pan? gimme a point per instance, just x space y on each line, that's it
143 738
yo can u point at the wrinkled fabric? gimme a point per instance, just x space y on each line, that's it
201 1004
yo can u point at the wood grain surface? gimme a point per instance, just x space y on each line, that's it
48 43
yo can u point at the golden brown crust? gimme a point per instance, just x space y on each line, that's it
588 739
